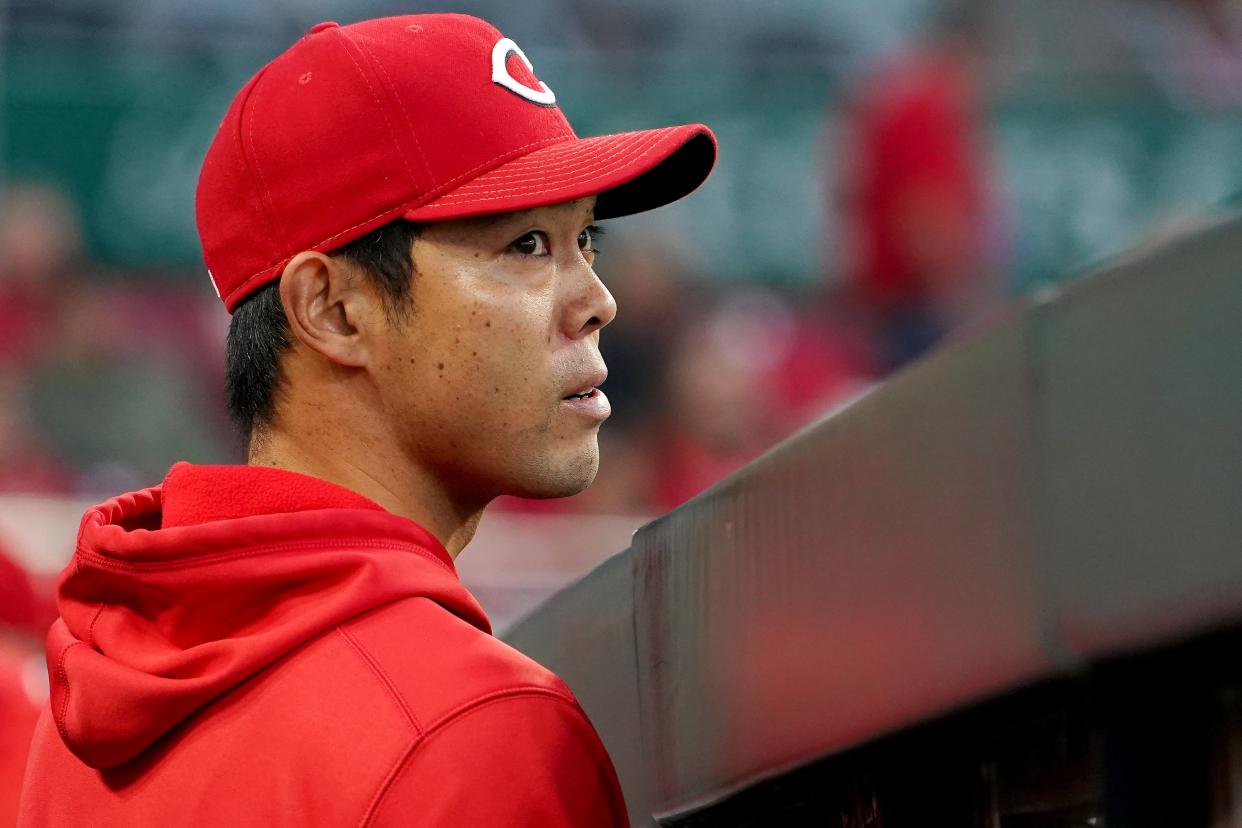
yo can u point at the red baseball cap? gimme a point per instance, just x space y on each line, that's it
421 117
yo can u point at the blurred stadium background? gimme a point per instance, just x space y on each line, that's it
891 172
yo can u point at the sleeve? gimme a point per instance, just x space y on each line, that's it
530 759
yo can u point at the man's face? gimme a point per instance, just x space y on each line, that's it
479 382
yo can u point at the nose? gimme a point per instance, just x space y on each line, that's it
593 306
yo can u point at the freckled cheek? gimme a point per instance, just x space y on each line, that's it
506 359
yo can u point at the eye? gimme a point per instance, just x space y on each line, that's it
534 243
588 239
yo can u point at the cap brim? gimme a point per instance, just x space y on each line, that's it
629 172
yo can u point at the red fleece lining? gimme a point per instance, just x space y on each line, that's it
194 495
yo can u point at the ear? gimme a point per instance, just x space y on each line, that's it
326 309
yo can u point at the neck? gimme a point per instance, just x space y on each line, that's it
359 467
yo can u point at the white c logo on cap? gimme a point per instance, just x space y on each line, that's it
500 74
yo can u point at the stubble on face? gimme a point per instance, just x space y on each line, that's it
560 476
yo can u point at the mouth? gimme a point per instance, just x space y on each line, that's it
587 400
589 387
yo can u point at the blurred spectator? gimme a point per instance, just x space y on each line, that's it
1191 50
715 407
104 383
916 192
742 376
654 293
147 406
26 611
28 462
828 362
40 249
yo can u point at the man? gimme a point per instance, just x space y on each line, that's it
401 221
918 191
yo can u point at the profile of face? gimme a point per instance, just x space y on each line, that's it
492 381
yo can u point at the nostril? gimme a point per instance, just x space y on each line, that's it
591 326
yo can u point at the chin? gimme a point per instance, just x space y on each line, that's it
569 477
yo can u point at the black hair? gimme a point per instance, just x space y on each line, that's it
259 332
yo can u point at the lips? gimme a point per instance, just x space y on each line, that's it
587 387
586 400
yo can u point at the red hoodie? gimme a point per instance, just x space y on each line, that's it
247 646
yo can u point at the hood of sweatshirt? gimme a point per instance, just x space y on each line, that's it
178 593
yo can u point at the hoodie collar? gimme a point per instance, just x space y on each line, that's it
194 495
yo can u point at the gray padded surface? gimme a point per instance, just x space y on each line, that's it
1061 485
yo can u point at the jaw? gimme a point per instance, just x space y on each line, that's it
566 468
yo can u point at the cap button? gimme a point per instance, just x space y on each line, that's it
327 24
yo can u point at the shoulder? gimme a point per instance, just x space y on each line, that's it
520 757
437 663
499 740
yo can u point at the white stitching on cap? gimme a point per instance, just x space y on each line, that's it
521 168
549 157
560 187
484 182
628 155
452 182
582 145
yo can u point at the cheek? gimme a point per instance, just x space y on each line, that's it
494 361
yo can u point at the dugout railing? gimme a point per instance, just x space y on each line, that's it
1001 589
